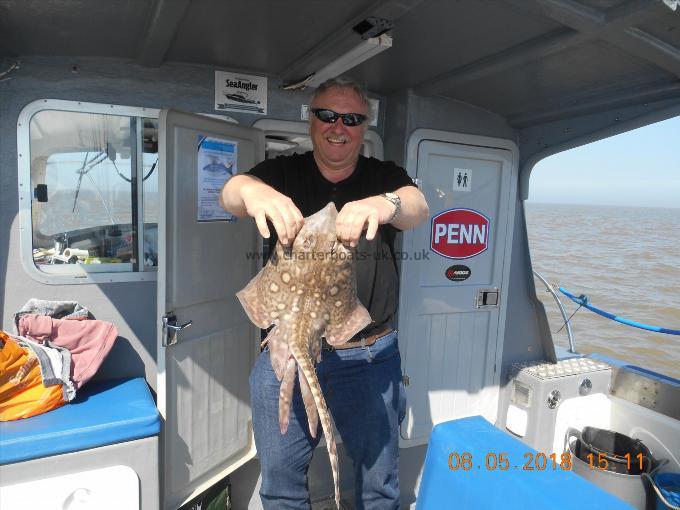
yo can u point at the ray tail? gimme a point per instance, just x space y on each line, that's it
306 366
310 405
286 394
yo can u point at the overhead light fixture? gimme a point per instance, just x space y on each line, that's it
360 53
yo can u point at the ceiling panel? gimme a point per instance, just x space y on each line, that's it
546 82
666 29
262 36
434 39
72 27
602 5
440 36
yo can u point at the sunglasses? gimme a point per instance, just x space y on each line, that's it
329 117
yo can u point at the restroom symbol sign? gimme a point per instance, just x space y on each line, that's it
462 179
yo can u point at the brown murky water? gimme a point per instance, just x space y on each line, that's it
627 261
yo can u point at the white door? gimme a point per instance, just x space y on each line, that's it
453 298
202 386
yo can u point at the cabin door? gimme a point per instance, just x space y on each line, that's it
203 368
454 279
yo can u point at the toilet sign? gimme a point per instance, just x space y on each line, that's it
459 233
462 179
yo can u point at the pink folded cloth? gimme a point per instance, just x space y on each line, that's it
89 341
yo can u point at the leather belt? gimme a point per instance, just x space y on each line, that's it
359 342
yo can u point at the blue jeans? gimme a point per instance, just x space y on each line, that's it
364 392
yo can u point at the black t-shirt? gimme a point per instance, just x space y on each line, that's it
298 177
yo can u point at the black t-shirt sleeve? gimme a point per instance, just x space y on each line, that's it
390 177
394 177
270 172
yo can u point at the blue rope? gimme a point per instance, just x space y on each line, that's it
583 301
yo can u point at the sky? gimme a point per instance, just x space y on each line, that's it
640 168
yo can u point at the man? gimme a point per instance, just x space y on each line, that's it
361 380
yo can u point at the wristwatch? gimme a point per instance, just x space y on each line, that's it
394 199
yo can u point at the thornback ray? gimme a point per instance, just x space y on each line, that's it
306 292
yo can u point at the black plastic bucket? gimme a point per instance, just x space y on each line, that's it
623 454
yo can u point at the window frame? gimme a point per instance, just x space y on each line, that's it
75 273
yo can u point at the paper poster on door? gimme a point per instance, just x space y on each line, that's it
462 179
216 164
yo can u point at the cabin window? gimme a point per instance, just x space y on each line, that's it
93 190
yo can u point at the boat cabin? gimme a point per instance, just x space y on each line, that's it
120 121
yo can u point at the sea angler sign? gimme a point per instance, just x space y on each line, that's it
459 233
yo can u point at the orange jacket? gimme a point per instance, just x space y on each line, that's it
22 393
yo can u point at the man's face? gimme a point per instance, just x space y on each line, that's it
336 146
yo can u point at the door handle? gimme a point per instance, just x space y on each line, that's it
488 298
170 328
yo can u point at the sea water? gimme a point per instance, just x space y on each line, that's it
627 261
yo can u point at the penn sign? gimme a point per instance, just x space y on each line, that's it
459 233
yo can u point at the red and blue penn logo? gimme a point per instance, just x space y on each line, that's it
459 233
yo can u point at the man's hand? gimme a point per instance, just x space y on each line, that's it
263 202
367 214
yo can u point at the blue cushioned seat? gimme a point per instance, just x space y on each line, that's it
103 413
481 488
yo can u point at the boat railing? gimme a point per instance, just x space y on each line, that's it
550 288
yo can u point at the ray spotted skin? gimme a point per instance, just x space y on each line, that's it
306 292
